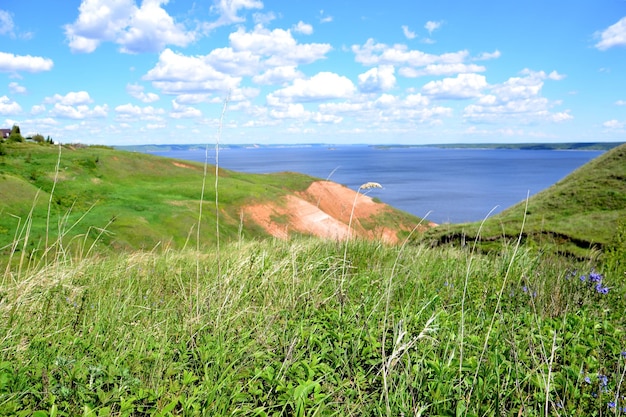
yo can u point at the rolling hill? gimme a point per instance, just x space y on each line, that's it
582 211
126 200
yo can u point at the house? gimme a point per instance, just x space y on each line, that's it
4 133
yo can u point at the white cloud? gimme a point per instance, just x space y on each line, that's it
6 23
180 111
464 86
137 92
15 88
16 63
324 18
408 33
278 75
518 98
229 11
614 35
372 53
303 28
440 69
130 112
620 103
431 26
322 86
179 74
78 112
377 79
290 111
613 124
136 29
37 109
8 106
485 56
70 99
278 45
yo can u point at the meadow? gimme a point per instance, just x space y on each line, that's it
310 327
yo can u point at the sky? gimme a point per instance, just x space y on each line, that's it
130 72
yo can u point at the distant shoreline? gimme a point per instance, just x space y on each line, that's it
570 146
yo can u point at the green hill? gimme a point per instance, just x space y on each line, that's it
582 211
126 200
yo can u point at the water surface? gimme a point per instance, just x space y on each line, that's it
450 185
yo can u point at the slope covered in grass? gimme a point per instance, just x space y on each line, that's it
581 211
312 327
125 200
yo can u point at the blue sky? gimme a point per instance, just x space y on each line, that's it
123 72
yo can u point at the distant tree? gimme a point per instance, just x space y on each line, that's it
15 135
39 138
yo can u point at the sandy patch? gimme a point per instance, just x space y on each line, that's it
322 210
181 165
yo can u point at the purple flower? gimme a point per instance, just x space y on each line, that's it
611 404
604 380
623 354
583 278
602 290
595 277
588 380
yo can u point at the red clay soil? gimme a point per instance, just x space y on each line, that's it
323 210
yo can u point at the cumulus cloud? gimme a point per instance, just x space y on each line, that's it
16 63
431 26
614 35
15 88
278 45
620 103
8 106
137 92
228 11
377 79
517 98
463 86
78 112
372 53
322 86
135 29
303 28
130 112
70 99
180 111
278 75
613 124
177 74
440 69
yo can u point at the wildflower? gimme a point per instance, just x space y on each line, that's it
588 380
595 277
583 278
604 380
611 404
623 354
602 290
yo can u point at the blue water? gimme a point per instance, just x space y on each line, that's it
443 185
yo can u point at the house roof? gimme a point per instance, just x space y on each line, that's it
5 133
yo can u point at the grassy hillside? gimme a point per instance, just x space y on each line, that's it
125 200
581 211
311 327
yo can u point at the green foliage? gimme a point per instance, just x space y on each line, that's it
38 138
263 330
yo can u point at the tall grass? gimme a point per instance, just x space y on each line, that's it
137 333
